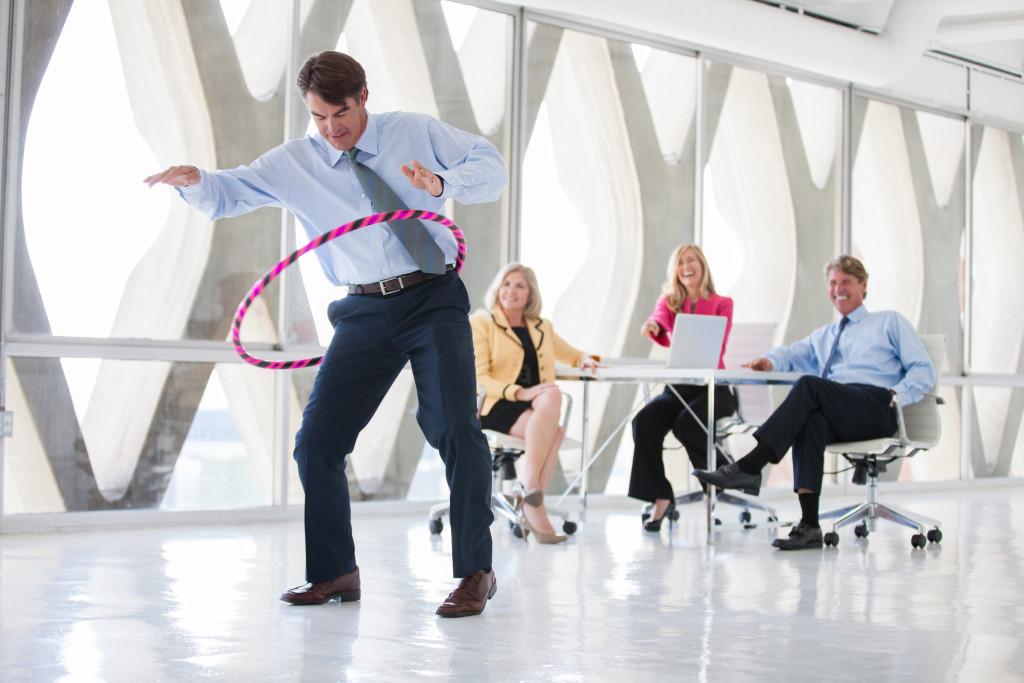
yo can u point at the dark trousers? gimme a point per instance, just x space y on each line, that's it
373 339
652 424
818 412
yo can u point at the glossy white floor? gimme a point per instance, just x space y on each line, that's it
613 604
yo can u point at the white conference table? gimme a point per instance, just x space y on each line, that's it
624 371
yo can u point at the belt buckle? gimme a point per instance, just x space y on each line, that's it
383 286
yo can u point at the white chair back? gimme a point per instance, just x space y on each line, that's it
748 341
921 424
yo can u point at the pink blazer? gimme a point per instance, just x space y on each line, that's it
716 305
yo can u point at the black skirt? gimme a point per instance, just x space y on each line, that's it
503 415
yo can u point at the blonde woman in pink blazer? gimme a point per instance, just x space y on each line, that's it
688 288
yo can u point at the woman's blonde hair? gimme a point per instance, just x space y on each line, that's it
533 302
674 290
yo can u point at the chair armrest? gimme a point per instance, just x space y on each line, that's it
898 398
898 402
568 412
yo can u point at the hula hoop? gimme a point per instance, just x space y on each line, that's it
271 274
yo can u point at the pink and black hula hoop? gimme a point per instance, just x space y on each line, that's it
236 324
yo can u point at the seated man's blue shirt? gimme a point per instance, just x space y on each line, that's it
881 349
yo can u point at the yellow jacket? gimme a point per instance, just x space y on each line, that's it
499 354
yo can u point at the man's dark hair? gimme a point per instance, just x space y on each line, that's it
331 76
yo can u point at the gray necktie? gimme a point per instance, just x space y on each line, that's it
411 233
835 347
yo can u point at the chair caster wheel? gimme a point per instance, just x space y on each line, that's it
436 526
517 531
934 535
569 527
831 538
745 517
861 530
645 516
673 515
918 541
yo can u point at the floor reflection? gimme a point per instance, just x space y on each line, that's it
615 602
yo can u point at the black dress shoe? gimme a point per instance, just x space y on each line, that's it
800 537
345 588
731 477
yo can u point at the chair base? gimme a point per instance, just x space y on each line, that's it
729 499
502 505
502 496
868 514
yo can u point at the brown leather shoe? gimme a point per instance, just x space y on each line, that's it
471 596
345 588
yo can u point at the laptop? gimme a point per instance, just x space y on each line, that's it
696 341
696 345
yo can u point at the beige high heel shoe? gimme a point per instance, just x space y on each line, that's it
541 537
532 497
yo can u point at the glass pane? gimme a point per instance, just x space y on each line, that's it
458 69
96 434
907 205
996 446
772 195
137 262
998 251
607 194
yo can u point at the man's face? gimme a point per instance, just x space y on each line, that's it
341 125
845 291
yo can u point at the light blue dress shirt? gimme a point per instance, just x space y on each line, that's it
316 182
881 349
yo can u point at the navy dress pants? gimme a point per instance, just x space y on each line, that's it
428 326
664 413
818 412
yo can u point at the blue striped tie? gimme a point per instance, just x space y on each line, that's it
835 347
411 233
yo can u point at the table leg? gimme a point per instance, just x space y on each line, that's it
712 459
585 452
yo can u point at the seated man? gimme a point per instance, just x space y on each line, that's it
854 367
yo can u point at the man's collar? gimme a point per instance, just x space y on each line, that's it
367 142
857 313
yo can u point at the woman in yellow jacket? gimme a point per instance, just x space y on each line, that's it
516 351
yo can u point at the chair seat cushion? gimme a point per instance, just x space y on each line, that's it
500 440
871 446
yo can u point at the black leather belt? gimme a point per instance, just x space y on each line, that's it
395 285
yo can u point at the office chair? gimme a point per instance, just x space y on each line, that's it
505 450
919 430
753 404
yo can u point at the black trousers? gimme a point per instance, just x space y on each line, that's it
373 338
652 424
818 412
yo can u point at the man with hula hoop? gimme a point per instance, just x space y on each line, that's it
398 309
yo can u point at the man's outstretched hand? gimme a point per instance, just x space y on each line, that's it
175 176
422 178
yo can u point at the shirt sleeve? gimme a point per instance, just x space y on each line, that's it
569 354
797 357
472 168
919 372
493 386
666 320
233 192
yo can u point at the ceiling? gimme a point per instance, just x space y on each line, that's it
987 32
